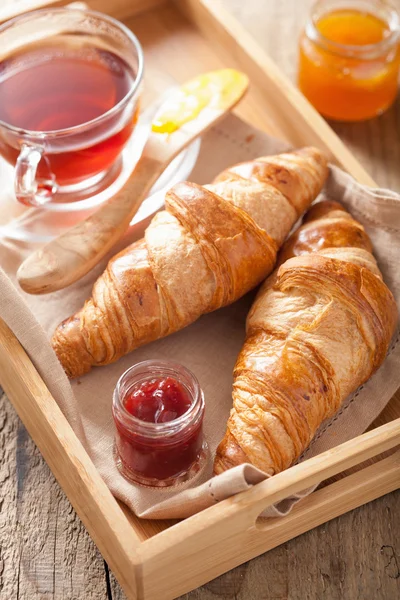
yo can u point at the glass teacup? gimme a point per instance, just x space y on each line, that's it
69 89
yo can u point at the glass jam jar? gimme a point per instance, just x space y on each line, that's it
158 410
349 58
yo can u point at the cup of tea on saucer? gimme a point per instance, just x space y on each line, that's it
69 100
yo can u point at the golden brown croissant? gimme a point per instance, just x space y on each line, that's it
210 246
319 327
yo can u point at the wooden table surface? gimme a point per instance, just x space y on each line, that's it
45 552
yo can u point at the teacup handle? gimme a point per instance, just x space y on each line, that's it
29 189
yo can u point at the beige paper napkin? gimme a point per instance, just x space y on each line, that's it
209 347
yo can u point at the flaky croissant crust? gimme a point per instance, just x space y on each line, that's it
210 246
319 327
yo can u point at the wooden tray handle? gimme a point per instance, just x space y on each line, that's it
247 507
325 465
235 522
339 497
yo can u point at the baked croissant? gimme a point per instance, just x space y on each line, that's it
210 246
319 327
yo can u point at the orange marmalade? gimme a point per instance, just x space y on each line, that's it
349 58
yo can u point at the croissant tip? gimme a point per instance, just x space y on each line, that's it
69 346
222 464
229 454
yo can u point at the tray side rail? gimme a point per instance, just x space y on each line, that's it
70 463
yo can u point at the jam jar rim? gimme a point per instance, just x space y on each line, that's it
364 52
169 428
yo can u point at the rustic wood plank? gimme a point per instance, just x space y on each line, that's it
45 552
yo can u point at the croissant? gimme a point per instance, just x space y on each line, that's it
210 246
319 327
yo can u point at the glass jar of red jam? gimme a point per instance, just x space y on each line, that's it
158 409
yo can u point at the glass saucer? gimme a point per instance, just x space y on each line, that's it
40 225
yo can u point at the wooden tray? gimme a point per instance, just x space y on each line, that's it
160 560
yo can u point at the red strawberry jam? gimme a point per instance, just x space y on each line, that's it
158 409
158 400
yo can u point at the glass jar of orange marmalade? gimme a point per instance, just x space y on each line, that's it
349 58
